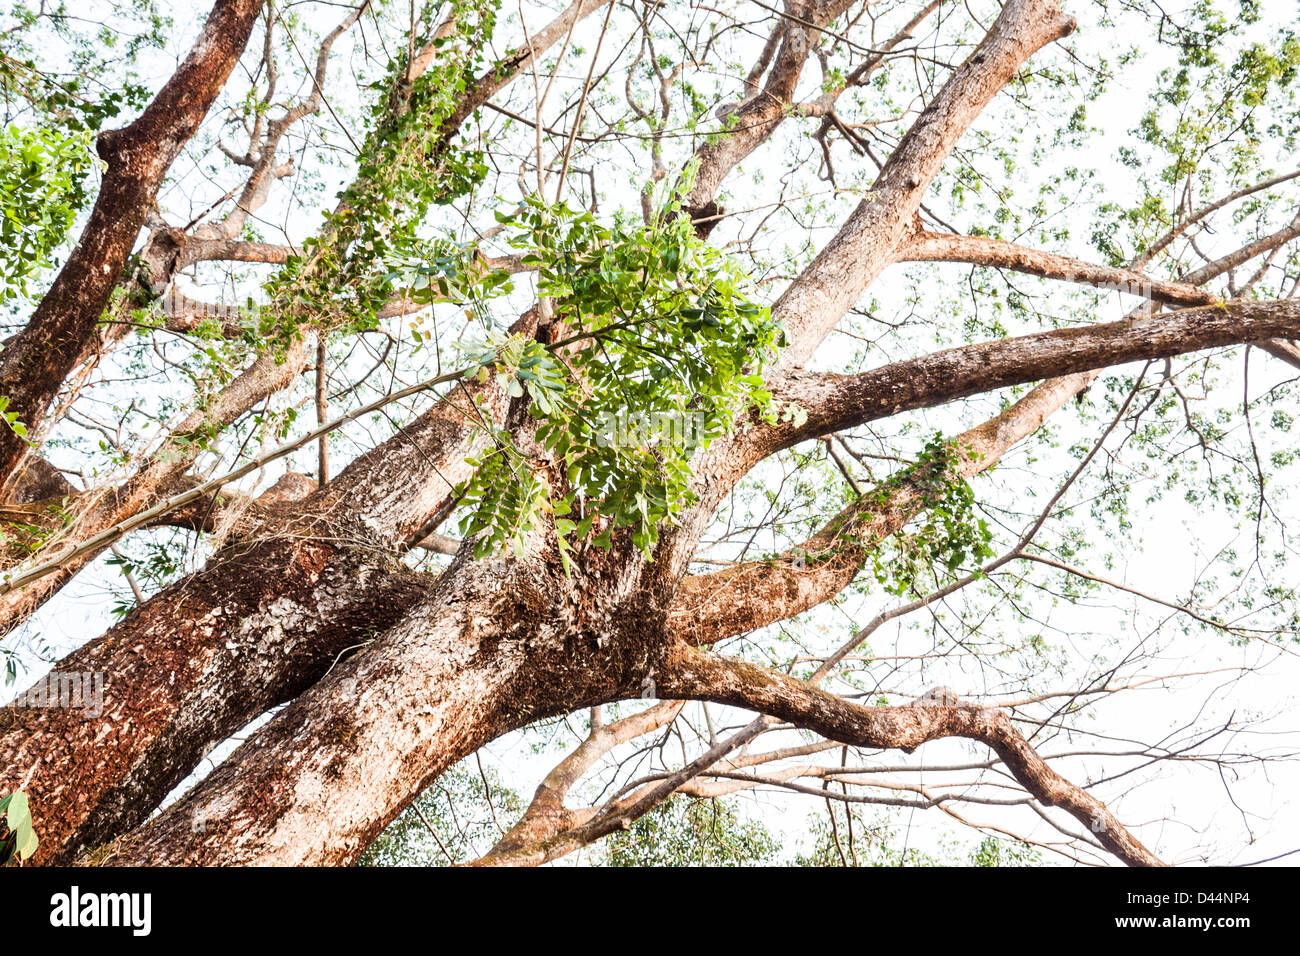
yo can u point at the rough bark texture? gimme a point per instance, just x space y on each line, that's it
498 644
35 363
266 619
260 626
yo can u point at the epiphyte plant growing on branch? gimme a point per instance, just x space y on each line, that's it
648 322
864 419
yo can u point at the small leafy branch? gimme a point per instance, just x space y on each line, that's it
18 840
657 329
950 534
405 168
11 419
42 187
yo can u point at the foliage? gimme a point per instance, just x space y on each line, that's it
947 534
683 831
10 419
851 837
404 169
660 346
18 840
95 80
42 174
670 349
161 562
992 851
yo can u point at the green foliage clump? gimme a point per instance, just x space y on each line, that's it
662 348
686 832
18 841
949 534
405 167
42 175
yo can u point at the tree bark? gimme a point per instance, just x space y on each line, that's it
836 401
451 663
35 363
499 644
868 242
263 621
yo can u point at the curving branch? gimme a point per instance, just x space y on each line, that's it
924 246
35 363
697 675
547 816
751 122
710 607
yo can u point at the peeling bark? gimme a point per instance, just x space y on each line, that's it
267 618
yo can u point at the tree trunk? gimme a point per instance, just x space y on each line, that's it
497 645
265 620
189 668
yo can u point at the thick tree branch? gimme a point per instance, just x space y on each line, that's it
834 402
816 301
93 514
35 363
696 675
485 654
710 607
270 614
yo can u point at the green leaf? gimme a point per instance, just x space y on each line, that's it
18 812
27 841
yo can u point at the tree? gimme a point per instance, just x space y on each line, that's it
456 819
649 352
